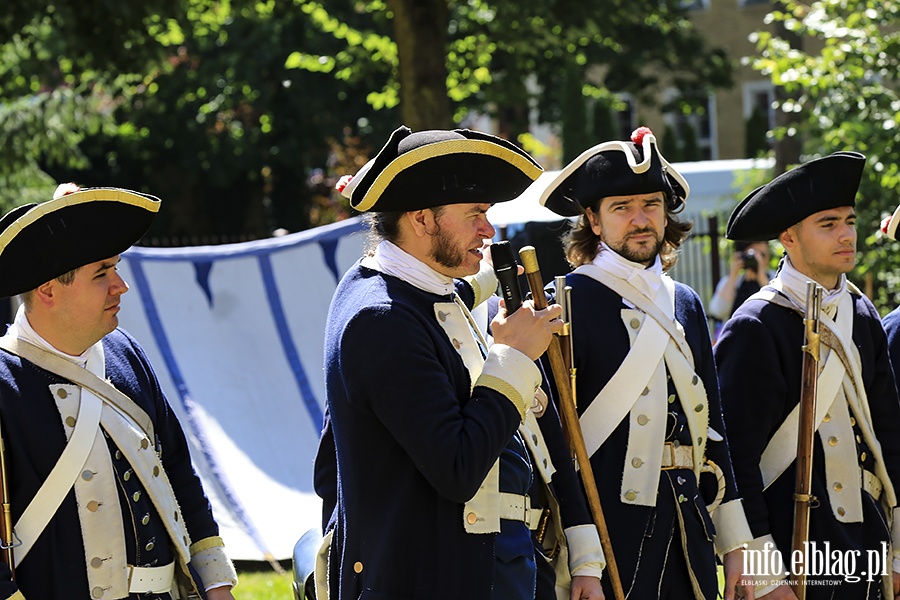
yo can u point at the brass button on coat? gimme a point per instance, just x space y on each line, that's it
630 495
145 520
136 496
471 518
358 567
93 506
635 323
97 592
832 441
837 486
96 562
636 462
127 475
841 511
145 443
643 419
149 546
87 475
70 421
62 393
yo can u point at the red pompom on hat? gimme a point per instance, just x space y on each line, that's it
637 136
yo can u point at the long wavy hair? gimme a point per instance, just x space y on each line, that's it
582 244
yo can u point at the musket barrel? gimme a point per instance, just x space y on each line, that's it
572 426
803 498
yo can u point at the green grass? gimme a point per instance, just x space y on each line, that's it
263 584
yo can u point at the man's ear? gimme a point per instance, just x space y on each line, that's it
788 238
45 293
421 222
593 219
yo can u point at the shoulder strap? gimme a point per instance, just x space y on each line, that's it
626 291
80 376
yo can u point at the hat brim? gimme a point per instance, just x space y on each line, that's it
55 237
475 169
821 184
555 196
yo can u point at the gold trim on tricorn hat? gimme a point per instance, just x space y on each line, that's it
615 169
437 167
39 242
828 182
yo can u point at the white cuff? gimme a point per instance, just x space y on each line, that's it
484 283
585 553
511 373
732 529
214 567
760 563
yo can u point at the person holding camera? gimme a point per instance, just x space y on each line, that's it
749 272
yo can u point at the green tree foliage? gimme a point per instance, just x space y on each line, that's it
516 59
848 96
239 113
187 99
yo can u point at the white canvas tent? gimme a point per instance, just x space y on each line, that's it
235 333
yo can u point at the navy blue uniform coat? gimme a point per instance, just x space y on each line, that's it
412 445
601 344
759 360
33 433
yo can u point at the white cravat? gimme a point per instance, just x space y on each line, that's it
792 283
646 280
393 260
91 359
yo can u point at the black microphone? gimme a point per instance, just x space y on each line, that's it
506 269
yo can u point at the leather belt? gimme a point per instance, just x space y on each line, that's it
151 580
872 484
514 507
677 457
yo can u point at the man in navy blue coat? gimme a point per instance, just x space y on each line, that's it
646 383
856 452
424 466
105 502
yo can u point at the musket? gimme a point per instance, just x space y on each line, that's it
803 498
6 524
570 419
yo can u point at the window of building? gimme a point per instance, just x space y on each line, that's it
759 116
690 134
614 123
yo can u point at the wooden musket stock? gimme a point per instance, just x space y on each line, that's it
561 374
6 525
803 498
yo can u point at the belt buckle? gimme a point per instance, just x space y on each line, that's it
672 462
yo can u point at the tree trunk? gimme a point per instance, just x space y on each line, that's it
788 148
420 29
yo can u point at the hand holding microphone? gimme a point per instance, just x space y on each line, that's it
528 331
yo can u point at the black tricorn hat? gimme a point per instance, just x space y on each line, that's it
827 182
437 167
41 241
615 169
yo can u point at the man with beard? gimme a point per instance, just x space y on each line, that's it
646 391
856 452
423 467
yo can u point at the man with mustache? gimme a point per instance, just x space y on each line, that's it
646 382
105 502
430 442
856 452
